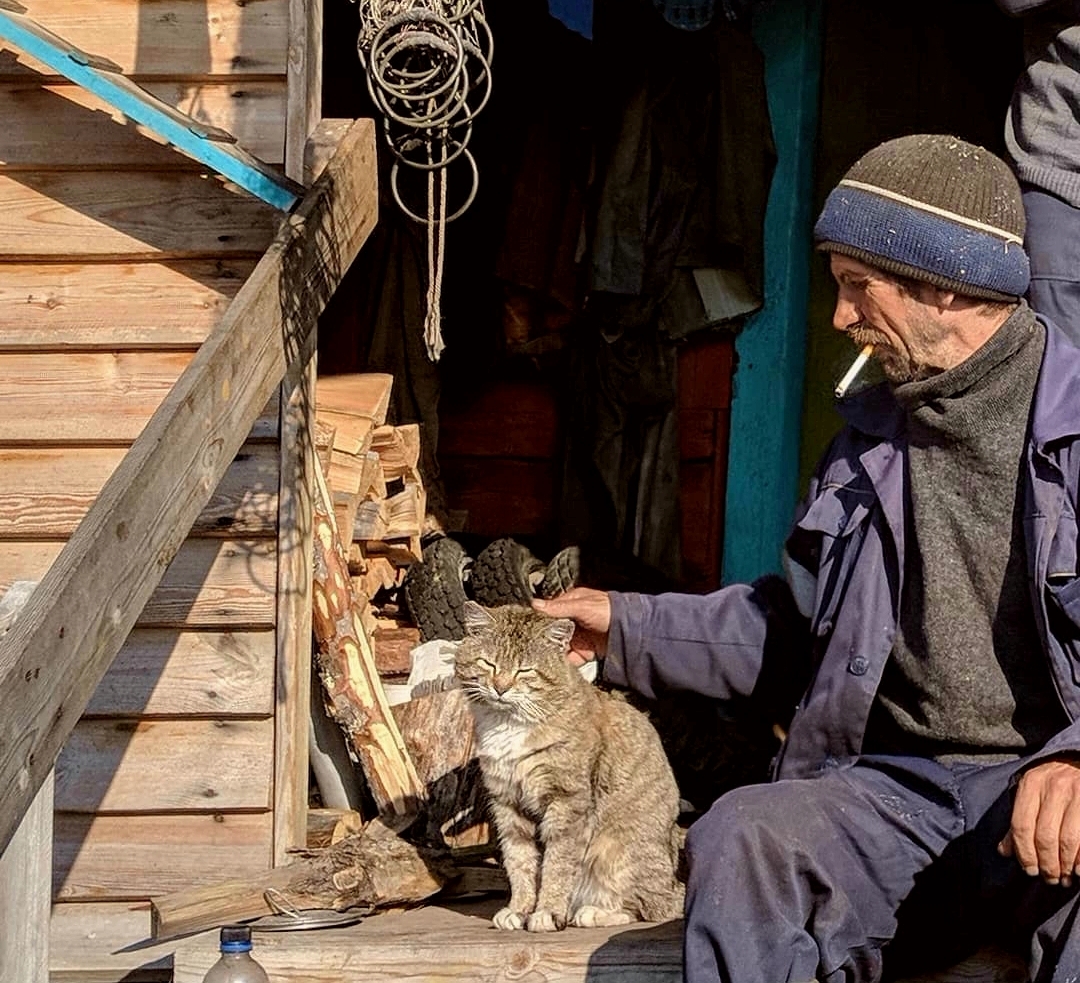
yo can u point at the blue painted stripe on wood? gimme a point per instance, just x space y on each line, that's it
766 411
183 132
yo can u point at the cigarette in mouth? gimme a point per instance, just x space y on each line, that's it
856 367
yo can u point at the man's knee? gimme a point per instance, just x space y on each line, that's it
753 829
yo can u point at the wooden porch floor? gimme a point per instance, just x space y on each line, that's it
432 944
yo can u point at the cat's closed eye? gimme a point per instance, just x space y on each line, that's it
525 671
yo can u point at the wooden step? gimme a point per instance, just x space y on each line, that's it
459 944
108 942
453 944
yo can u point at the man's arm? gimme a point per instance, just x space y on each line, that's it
716 644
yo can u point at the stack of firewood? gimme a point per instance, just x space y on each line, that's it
418 758
379 502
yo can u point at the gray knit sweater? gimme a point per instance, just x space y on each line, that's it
1042 130
966 679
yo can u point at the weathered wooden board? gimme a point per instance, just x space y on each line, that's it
83 396
129 215
305 77
25 867
436 943
166 672
161 765
292 720
114 857
210 583
459 944
84 608
106 942
46 491
168 37
91 397
64 126
115 306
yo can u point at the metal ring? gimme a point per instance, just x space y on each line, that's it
435 117
396 169
414 16
381 62
447 159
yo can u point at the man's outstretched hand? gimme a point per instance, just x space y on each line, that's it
1045 832
590 610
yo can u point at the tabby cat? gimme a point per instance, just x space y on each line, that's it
582 796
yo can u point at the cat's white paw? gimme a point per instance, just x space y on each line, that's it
508 919
544 921
589 916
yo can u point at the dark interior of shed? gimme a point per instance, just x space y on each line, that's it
511 437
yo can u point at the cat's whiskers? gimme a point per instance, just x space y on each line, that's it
474 690
530 709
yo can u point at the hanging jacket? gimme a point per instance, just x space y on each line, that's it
845 575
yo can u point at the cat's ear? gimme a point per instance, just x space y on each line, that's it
477 619
560 631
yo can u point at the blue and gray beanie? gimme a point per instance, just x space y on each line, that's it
932 208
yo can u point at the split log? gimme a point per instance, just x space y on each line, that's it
326 827
371 521
324 443
405 513
345 479
367 612
373 481
439 733
399 552
354 432
376 569
373 868
399 450
399 517
355 697
364 394
392 646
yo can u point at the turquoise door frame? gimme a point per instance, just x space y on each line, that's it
766 410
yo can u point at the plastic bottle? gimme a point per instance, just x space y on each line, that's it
236 964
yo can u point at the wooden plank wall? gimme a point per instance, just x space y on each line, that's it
119 255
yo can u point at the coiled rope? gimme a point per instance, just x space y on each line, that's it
428 67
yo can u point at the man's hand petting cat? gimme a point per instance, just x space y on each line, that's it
590 610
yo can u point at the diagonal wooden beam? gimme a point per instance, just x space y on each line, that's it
82 610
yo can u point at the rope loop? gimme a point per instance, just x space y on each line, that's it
428 68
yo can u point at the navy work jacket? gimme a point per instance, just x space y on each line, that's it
848 559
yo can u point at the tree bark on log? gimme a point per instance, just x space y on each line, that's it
328 827
373 868
439 733
354 694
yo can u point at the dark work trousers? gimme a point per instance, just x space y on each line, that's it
888 859
1053 245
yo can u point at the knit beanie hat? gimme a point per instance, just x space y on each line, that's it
933 208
